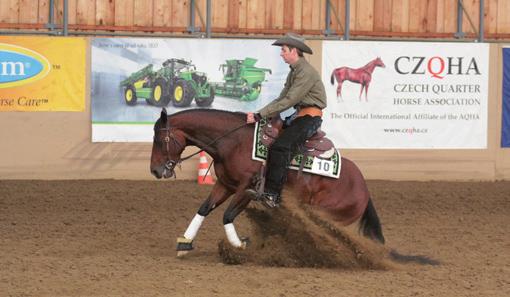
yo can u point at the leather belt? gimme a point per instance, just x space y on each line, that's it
311 111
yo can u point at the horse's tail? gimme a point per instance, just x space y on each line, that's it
370 224
333 77
424 260
371 228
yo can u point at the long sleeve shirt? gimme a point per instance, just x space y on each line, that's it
303 88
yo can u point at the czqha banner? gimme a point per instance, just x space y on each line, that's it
42 73
134 78
404 95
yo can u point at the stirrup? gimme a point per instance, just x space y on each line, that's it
269 200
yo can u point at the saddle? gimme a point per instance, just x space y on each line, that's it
316 146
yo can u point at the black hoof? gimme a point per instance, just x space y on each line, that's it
252 194
184 244
181 246
245 240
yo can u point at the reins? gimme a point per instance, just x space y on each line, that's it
170 163
213 142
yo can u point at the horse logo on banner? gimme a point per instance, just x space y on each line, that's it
362 76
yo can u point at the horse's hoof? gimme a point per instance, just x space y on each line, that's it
181 254
184 246
245 241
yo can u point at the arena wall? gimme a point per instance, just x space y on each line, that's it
57 145
372 18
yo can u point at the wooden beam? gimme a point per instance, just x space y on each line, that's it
143 12
124 12
491 16
22 26
234 8
306 15
9 11
365 15
219 15
162 13
288 14
86 12
431 16
297 24
180 14
472 8
382 15
503 16
105 12
28 11
450 16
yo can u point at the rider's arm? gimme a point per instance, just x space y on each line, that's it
286 88
301 85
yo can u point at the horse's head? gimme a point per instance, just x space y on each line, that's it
379 62
167 146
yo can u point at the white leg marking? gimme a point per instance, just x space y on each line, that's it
193 227
232 236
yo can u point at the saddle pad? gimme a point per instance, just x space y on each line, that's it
324 167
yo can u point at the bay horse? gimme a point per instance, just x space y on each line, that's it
362 76
227 138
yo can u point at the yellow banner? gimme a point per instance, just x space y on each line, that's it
42 73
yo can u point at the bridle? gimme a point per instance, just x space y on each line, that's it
171 164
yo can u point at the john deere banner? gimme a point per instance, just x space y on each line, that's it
505 124
134 78
42 73
406 94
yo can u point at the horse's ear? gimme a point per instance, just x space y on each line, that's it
163 115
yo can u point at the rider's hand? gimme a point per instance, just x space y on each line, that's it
252 117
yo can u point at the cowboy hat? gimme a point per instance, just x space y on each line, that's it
294 40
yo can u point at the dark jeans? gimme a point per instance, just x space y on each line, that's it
285 147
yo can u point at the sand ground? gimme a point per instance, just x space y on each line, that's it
117 238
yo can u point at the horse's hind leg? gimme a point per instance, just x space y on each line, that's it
217 196
366 91
237 205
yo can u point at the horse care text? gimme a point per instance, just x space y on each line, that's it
23 101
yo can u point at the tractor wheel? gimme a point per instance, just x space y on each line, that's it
159 95
130 95
183 94
206 101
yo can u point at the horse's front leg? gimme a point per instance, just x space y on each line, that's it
339 92
217 196
237 205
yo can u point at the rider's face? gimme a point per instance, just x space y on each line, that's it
288 55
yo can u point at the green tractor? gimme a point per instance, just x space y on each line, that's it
242 79
177 81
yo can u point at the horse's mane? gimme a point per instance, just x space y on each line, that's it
370 63
225 115
240 115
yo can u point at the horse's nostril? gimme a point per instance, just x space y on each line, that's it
156 173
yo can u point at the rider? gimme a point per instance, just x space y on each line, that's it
304 91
